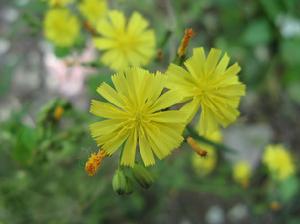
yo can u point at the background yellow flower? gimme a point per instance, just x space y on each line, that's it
133 117
205 165
208 83
242 173
125 44
61 27
93 10
279 161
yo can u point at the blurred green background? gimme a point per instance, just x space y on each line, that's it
42 177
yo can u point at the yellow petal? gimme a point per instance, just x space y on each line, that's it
128 154
212 60
110 95
207 123
190 109
145 150
103 43
171 116
168 99
106 110
137 23
112 145
106 126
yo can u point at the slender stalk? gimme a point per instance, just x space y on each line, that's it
193 133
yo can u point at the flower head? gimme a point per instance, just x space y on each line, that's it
134 117
242 173
205 165
279 161
208 84
93 10
131 44
61 27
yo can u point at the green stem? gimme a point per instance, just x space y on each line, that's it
165 39
193 133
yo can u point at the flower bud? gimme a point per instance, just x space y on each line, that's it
143 176
120 183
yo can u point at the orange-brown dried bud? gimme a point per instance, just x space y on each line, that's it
94 162
188 34
58 112
195 146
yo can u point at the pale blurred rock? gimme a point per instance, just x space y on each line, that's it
215 215
238 213
248 140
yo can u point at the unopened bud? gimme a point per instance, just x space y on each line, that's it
120 183
143 176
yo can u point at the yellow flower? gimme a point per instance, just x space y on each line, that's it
205 165
61 27
242 173
131 44
134 117
208 84
59 3
279 161
93 10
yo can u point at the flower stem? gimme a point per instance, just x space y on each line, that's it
193 133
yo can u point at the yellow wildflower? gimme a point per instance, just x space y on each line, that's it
275 206
242 173
131 44
61 27
93 10
279 161
205 165
59 3
134 117
58 112
209 84
93 163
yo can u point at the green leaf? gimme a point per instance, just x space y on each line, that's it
272 8
95 80
61 52
294 91
288 189
26 140
257 33
290 51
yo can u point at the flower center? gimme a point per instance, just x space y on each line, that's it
138 119
126 42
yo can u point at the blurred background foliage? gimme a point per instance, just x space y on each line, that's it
44 137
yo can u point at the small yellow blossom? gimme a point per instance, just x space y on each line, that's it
125 44
93 10
279 161
135 116
58 112
59 3
208 84
205 165
275 206
242 173
93 163
61 27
